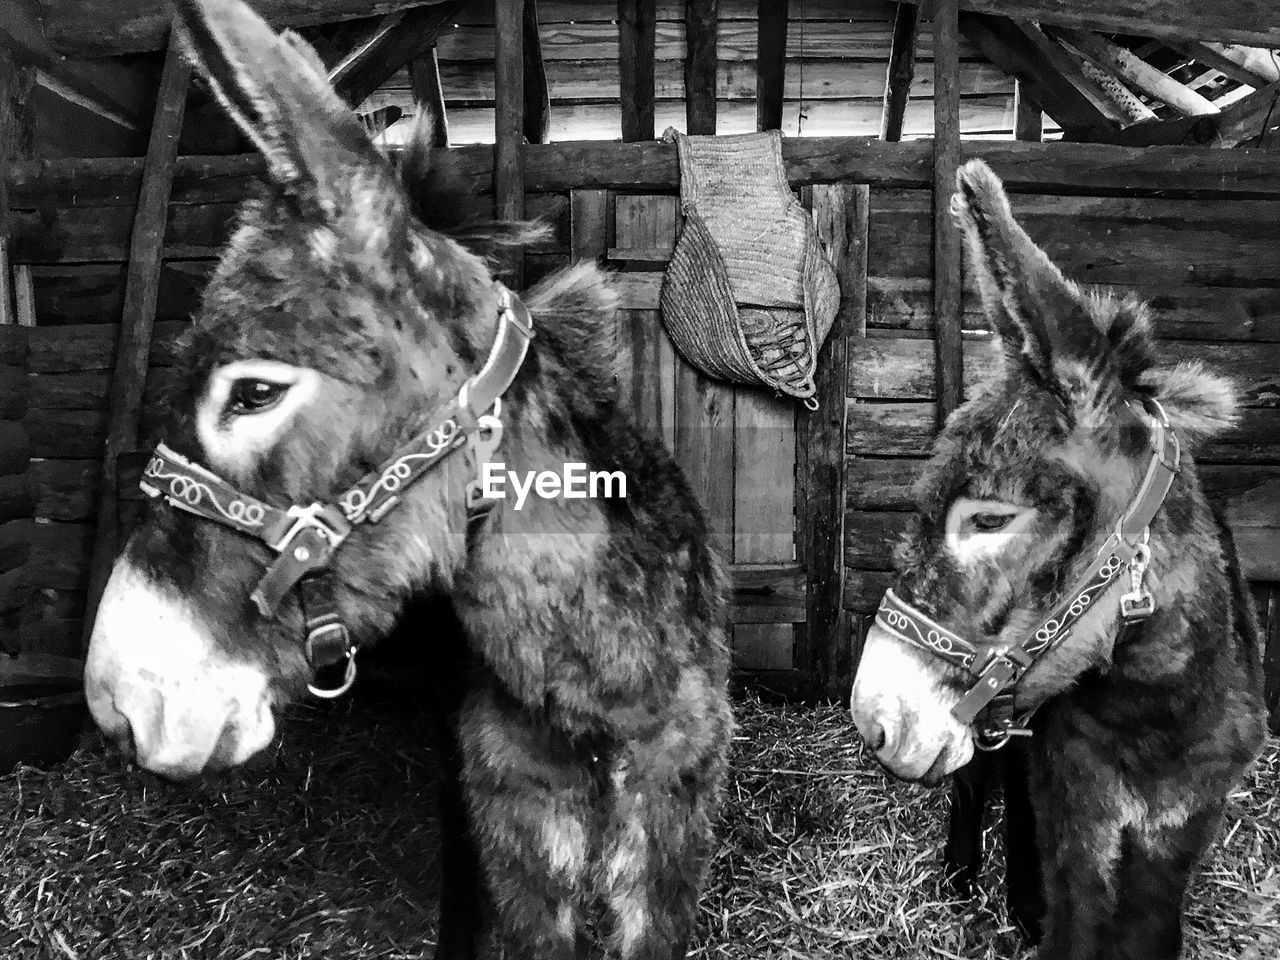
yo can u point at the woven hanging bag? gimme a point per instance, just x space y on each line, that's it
749 295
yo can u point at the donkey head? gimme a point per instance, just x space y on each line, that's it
1028 478
334 327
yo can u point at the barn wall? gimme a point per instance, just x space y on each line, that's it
836 57
1210 267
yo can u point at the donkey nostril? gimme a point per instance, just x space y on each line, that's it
874 734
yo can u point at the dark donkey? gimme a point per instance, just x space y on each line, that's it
1063 561
343 346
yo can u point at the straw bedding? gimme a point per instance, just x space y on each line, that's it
324 848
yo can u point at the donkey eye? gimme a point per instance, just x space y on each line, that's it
988 522
249 396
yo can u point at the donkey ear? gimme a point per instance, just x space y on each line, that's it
1199 404
275 88
1035 310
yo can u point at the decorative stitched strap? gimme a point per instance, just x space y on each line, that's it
910 625
190 487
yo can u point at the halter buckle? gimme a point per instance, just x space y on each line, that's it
1138 603
329 523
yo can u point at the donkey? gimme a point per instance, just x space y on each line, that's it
1055 500
341 345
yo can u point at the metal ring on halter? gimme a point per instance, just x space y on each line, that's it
811 404
348 680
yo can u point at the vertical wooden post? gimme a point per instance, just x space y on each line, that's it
841 215
428 94
771 63
537 97
508 155
636 39
142 282
1028 121
948 292
901 72
15 85
700 19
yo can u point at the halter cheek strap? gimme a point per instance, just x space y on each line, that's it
997 670
305 538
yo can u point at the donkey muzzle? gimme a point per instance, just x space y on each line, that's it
902 709
159 686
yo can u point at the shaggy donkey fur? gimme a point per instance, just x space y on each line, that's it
591 707
1141 733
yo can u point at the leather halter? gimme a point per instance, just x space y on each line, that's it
998 670
305 538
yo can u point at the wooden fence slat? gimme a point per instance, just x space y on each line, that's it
508 158
947 254
840 214
649 223
636 68
141 287
701 29
771 63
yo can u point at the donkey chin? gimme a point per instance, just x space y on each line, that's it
903 711
158 684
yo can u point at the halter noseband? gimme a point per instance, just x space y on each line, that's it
305 538
998 670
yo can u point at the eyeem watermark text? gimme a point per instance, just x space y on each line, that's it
573 482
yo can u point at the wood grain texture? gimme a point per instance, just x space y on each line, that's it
1028 120
701 23
636 84
87 28
398 40
948 257
537 97
649 223
508 158
771 63
141 287
901 71
1247 21
428 94
1138 73
1084 168
841 216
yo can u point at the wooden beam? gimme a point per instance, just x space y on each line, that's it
142 282
701 23
902 70
537 98
1096 170
428 94
771 62
948 257
1137 72
841 213
398 40
1048 76
1252 121
636 45
508 157
1028 121
1257 61
1255 22
119 92
90 28
15 86
1124 98
1206 55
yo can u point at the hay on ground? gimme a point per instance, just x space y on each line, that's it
324 847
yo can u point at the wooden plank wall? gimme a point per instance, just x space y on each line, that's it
835 55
